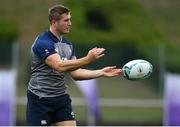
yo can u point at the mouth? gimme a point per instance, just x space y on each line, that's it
68 28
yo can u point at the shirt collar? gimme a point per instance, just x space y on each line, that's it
54 37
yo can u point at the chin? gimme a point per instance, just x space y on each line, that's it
66 32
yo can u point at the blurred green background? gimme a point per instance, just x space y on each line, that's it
128 29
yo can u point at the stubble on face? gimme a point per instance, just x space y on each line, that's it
64 24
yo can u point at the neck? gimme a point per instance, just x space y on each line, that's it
55 32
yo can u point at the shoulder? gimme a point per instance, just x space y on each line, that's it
43 41
43 46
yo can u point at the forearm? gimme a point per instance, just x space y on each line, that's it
67 65
70 65
83 74
59 65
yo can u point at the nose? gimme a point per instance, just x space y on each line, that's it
70 23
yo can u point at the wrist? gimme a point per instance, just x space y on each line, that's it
85 60
100 73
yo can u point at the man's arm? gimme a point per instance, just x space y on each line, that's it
83 74
59 65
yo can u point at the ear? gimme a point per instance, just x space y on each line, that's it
53 22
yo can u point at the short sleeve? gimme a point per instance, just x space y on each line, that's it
43 49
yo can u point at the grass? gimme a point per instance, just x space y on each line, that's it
113 88
32 19
119 87
112 115
132 115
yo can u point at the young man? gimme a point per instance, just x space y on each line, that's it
52 56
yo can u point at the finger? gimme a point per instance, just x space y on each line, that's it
99 52
101 49
120 71
100 56
112 67
116 71
93 49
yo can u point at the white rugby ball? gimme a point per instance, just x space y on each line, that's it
137 69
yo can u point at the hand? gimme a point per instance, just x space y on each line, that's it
111 71
95 54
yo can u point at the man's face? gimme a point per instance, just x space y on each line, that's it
64 24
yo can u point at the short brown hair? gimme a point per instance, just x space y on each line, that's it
56 11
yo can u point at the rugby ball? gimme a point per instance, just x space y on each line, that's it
137 69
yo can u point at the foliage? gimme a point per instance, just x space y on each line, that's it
112 22
8 31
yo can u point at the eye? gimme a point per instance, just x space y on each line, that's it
66 20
